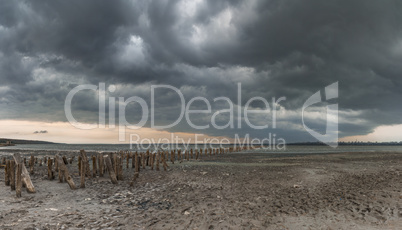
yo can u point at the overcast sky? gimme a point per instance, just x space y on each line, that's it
204 48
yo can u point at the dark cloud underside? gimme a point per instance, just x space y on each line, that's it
274 48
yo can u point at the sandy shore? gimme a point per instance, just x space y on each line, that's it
231 191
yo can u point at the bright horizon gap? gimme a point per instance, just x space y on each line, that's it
64 132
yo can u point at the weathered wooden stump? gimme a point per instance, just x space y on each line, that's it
64 171
143 161
152 158
85 160
26 179
12 174
137 163
127 160
165 166
31 165
119 167
50 172
83 169
147 158
7 173
101 164
136 174
19 178
71 160
110 169
157 161
94 168
79 165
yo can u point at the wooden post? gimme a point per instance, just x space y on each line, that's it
50 173
19 164
82 170
165 166
127 160
40 162
94 169
147 156
133 160
71 160
115 165
31 165
136 174
26 179
110 169
65 160
178 155
63 169
143 160
7 173
157 161
59 172
137 166
85 160
56 168
191 151
119 167
79 165
12 174
101 164
152 160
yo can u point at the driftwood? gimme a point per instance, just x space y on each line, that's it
110 169
64 171
26 179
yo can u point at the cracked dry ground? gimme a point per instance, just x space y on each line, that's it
231 191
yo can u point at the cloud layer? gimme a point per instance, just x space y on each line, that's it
205 48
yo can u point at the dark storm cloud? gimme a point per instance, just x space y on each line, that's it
274 48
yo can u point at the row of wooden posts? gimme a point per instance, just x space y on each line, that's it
17 175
